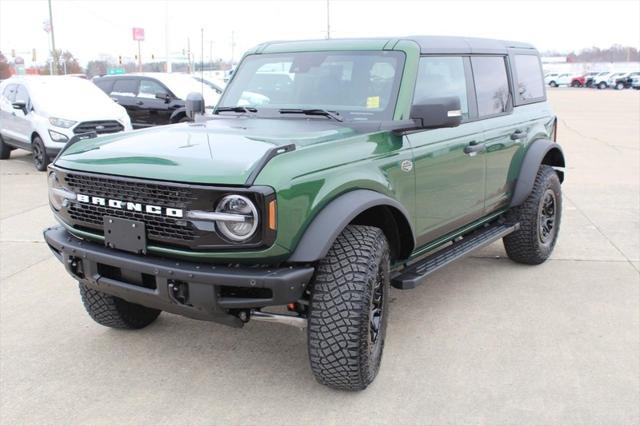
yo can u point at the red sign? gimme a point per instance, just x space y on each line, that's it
138 34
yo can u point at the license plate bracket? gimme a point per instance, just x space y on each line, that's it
125 234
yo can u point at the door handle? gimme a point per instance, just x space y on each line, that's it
139 103
115 100
518 134
473 148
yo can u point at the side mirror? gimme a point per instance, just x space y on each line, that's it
194 104
164 96
22 105
433 113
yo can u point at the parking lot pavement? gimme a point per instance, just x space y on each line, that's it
485 341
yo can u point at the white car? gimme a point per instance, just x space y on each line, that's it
42 113
601 81
558 79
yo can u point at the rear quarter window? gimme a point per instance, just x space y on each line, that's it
125 87
529 81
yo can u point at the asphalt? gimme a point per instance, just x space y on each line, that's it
485 341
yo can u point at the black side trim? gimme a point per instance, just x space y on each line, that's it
531 163
277 150
334 217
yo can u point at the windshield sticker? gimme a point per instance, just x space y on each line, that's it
373 102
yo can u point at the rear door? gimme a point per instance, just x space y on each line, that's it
449 183
125 92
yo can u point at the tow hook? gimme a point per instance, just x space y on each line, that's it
179 292
75 266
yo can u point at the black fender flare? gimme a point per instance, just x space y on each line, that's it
541 151
335 216
176 113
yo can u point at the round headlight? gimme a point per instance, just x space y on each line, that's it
247 215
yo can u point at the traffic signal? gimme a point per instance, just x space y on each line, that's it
119 60
136 56
153 57
13 53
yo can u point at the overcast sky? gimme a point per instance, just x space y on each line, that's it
90 28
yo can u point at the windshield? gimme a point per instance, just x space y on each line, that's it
357 85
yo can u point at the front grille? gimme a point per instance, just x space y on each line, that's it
158 227
105 126
161 230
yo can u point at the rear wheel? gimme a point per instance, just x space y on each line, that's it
553 84
575 84
602 85
114 312
619 86
349 309
40 158
5 150
539 218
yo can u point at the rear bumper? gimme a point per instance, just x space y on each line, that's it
211 290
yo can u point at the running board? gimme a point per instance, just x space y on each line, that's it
416 274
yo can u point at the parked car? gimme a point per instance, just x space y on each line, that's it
41 114
601 81
153 99
578 81
381 161
621 81
635 82
558 79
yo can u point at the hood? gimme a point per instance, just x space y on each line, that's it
101 109
221 151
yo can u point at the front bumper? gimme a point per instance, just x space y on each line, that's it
207 292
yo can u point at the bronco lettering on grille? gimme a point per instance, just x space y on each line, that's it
127 205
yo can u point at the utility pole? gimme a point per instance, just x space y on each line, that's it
202 59
189 54
328 22
54 54
166 36
233 46
211 51
139 58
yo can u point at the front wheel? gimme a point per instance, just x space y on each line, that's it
602 85
553 84
349 309
39 152
114 312
539 218
619 86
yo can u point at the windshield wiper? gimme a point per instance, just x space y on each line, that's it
315 111
235 109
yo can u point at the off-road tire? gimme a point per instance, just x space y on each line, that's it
114 312
5 150
39 153
349 283
529 244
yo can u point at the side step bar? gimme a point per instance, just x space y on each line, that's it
416 274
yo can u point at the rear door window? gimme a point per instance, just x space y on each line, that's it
22 94
492 85
125 87
442 77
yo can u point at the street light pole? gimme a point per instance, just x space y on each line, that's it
54 56
328 22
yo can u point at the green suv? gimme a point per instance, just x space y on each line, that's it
329 171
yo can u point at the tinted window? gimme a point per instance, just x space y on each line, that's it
10 92
149 88
492 85
127 87
105 84
440 77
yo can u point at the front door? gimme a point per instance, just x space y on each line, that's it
153 109
125 92
449 182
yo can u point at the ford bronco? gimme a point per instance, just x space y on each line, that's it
359 165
